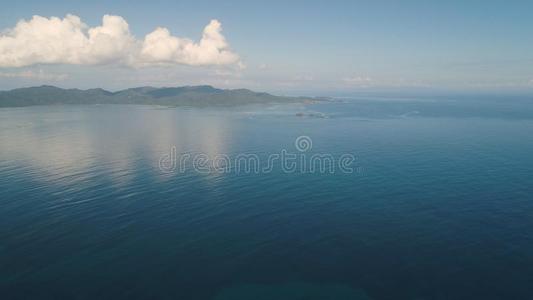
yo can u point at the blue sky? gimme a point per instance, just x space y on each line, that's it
314 46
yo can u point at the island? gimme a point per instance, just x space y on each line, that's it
196 96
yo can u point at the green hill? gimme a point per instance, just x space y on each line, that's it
171 96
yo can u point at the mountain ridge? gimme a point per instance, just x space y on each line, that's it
201 95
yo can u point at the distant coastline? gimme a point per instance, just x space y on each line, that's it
197 96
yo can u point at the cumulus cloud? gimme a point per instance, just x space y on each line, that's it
70 41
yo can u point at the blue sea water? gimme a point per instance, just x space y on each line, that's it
440 205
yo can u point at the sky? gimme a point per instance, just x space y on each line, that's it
284 47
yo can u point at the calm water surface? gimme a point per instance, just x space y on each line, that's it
441 206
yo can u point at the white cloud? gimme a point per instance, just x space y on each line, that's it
161 47
69 41
30 74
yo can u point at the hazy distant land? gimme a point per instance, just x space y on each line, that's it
168 96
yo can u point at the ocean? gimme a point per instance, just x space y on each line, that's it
355 198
